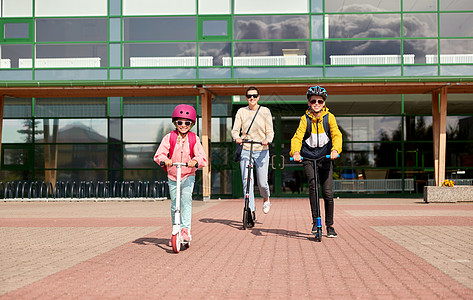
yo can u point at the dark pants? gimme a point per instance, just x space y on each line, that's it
325 180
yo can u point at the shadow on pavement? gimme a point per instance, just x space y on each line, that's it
159 242
260 231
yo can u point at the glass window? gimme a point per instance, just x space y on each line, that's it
70 74
271 27
115 55
156 129
163 28
460 155
418 128
270 53
317 53
17 8
212 7
162 7
17 131
456 51
11 54
17 108
418 104
115 29
10 75
83 156
369 128
15 157
419 5
364 26
420 70
71 131
160 55
139 156
115 7
115 130
70 107
154 106
270 6
363 52
456 5
160 73
371 155
366 5
460 104
365 104
420 25
216 51
68 56
221 129
317 27
420 49
222 106
456 24
16 31
316 6
286 72
61 8
215 73
115 106
71 30
214 28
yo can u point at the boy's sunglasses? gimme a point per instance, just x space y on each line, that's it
320 101
187 123
252 96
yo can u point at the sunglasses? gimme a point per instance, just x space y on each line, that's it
252 96
187 123
320 101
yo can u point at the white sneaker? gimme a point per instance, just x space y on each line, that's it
266 206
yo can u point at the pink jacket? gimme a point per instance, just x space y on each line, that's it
181 154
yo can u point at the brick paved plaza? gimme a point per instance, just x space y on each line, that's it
386 249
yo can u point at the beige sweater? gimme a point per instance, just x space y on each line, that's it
262 128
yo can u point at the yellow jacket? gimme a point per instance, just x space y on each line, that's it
318 136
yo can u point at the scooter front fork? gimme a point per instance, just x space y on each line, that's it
176 228
319 223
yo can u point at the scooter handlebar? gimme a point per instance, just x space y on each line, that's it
326 156
182 164
252 142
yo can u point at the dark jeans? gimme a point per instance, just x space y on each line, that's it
325 171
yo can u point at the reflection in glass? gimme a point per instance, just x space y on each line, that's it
17 107
17 131
221 182
364 26
317 27
456 5
420 71
271 53
156 174
365 104
72 131
458 51
68 56
366 6
70 107
160 55
422 5
317 53
362 71
154 106
456 24
420 25
370 128
71 30
418 104
338 49
214 28
16 30
163 28
147 130
15 156
139 156
460 104
221 128
371 155
420 49
316 6
215 50
271 27
11 54
277 72
84 156
271 7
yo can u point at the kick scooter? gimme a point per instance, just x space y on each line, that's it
248 216
318 233
176 238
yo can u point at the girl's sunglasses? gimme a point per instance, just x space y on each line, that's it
320 101
187 123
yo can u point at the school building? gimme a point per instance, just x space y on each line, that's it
87 88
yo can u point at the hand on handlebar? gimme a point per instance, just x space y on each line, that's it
297 156
192 164
168 162
238 140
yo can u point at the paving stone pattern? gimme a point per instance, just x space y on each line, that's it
386 249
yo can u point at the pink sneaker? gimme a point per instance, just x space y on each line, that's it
185 235
170 243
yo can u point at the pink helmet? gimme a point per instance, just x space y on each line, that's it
184 111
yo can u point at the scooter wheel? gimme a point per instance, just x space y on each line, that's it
318 235
245 219
187 245
176 243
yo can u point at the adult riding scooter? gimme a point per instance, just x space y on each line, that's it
176 239
318 233
248 217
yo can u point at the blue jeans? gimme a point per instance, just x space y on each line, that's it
260 165
187 186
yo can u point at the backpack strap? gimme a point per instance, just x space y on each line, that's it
309 127
192 141
172 142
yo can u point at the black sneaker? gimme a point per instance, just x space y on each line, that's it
314 228
252 221
331 232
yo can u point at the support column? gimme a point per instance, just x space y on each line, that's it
442 135
206 98
439 132
436 134
2 102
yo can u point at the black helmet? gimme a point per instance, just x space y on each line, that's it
317 91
